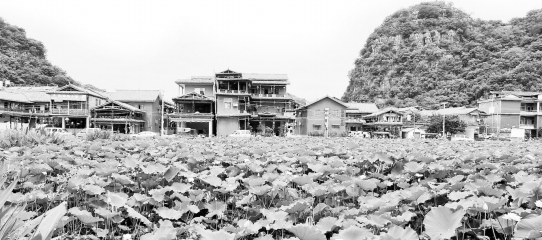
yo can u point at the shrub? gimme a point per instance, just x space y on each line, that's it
99 134
316 134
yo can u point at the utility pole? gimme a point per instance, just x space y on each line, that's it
444 120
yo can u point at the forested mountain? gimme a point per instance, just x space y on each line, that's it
23 60
433 52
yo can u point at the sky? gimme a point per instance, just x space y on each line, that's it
150 44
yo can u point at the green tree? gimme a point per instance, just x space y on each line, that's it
452 124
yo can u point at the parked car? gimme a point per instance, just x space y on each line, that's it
461 138
241 133
83 134
145 134
54 130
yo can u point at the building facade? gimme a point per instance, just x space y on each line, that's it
509 109
323 117
230 101
148 101
355 114
385 122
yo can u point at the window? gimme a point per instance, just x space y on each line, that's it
142 107
335 125
316 126
200 90
227 103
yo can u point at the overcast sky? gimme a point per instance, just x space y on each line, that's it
150 44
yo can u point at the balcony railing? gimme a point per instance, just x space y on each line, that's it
523 125
528 109
257 95
232 91
70 111
11 109
353 119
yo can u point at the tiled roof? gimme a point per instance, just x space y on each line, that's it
80 89
197 79
354 107
124 105
193 96
14 97
265 77
322 98
134 95
33 94
385 110
451 111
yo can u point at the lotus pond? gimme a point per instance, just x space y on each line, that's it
272 188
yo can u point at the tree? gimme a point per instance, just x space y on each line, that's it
453 124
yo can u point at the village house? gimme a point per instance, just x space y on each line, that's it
70 107
148 101
195 107
513 110
230 101
270 106
324 117
354 114
387 122
118 117
36 112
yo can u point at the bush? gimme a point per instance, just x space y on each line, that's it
316 134
100 134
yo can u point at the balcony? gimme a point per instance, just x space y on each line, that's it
224 91
256 95
355 120
12 110
527 126
78 112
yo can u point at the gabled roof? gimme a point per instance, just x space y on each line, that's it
134 95
228 71
322 98
65 89
265 77
13 97
355 107
385 110
196 79
120 104
193 96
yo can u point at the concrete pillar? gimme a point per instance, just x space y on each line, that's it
63 122
210 128
87 124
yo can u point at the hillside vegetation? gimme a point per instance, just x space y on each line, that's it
433 52
23 60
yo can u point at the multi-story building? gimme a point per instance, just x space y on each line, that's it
510 109
117 117
230 101
325 116
148 101
388 121
354 114
195 106
70 106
